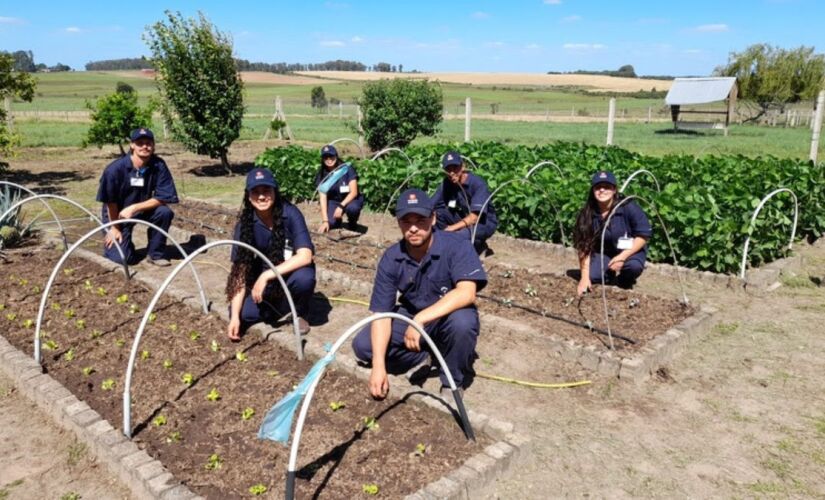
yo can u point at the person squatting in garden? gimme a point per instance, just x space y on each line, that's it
458 202
625 239
437 274
278 229
137 185
337 184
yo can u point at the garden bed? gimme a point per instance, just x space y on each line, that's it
90 321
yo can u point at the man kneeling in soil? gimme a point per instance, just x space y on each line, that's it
437 275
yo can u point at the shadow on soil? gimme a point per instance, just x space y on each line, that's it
218 170
45 182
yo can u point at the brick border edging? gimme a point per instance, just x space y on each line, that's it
145 477
762 278
480 470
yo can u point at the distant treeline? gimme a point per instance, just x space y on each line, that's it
625 71
245 65
24 62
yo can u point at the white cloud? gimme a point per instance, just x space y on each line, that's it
480 15
494 45
712 28
571 19
584 46
331 43
552 2
72 29
532 46
11 20
356 39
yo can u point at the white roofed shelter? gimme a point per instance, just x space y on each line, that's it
693 91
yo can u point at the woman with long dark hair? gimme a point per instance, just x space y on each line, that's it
625 239
278 229
338 192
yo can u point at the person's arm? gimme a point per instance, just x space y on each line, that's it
618 261
322 199
113 234
463 295
640 230
467 222
353 193
144 206
233 331
584 280
302 257
380 333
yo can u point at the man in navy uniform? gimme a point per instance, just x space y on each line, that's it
437 274
137 186
458 201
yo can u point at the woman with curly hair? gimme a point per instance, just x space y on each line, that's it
278 229
625 239
338 192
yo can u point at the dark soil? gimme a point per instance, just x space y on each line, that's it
635 316
338 455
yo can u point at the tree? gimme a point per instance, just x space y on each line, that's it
200 88
773 77
319 98
382 67
396 111
24 61
124 88
626 71
12 84
114 116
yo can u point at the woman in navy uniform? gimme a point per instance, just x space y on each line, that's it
278 229
458 201
625 239
435 276
137 186
343 197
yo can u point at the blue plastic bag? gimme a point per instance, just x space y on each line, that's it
277 422
333 178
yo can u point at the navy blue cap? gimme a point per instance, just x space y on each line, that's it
603 177
260 177
451 158
140 133
328 150
413 201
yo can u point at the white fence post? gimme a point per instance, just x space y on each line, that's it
611 116
9 118
468 115
340 110
360 129
649 111
817 125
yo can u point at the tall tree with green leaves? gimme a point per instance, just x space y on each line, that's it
114 116
773 77
200 88
318 97
12 84
397 111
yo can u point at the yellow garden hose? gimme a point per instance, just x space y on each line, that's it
349 301
539 385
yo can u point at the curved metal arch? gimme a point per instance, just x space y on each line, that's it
634 174
467 158
519 179
296 440
127 400
48 207
390 149
347 139
76 205
753 219
541 164
672 254
75 246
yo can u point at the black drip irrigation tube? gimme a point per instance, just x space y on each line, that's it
545 314
201 224
211 210
330 258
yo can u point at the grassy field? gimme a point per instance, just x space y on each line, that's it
59 92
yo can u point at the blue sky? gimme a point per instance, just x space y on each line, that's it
662 37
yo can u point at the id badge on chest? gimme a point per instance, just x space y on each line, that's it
451 203
344 189
624 243
287 251
136 181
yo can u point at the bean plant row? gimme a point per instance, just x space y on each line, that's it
706 202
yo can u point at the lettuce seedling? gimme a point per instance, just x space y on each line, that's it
11 316
247 413
28 323
241 356
122 299
108 384
50 345
55 306
80 324
145 355
370 488
2 307
87 285
257 489
371 424
214 462
87 370
187 379
69 355
194 335
134 309
173 327
68 271
120 342
23 282
101 291
95 334
336 405
215 346
36 289
213 395
173 437
159 420
152 317
167 363
69 313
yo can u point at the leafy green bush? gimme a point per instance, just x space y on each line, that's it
706 203
113 117
397 111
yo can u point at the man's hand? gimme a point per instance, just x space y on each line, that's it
324 227
258 289
233 331
412 339
339 213
379 383
616 263
584 286
128 212
112 236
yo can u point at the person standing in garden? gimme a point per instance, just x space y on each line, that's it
137 185
459 200
337 184
435 275
277 228
625 238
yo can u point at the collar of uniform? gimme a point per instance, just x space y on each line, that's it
619 211
127 163
434 252
258 220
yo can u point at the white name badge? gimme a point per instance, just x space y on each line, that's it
344 189
624 243
451 203
287 253
136 181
